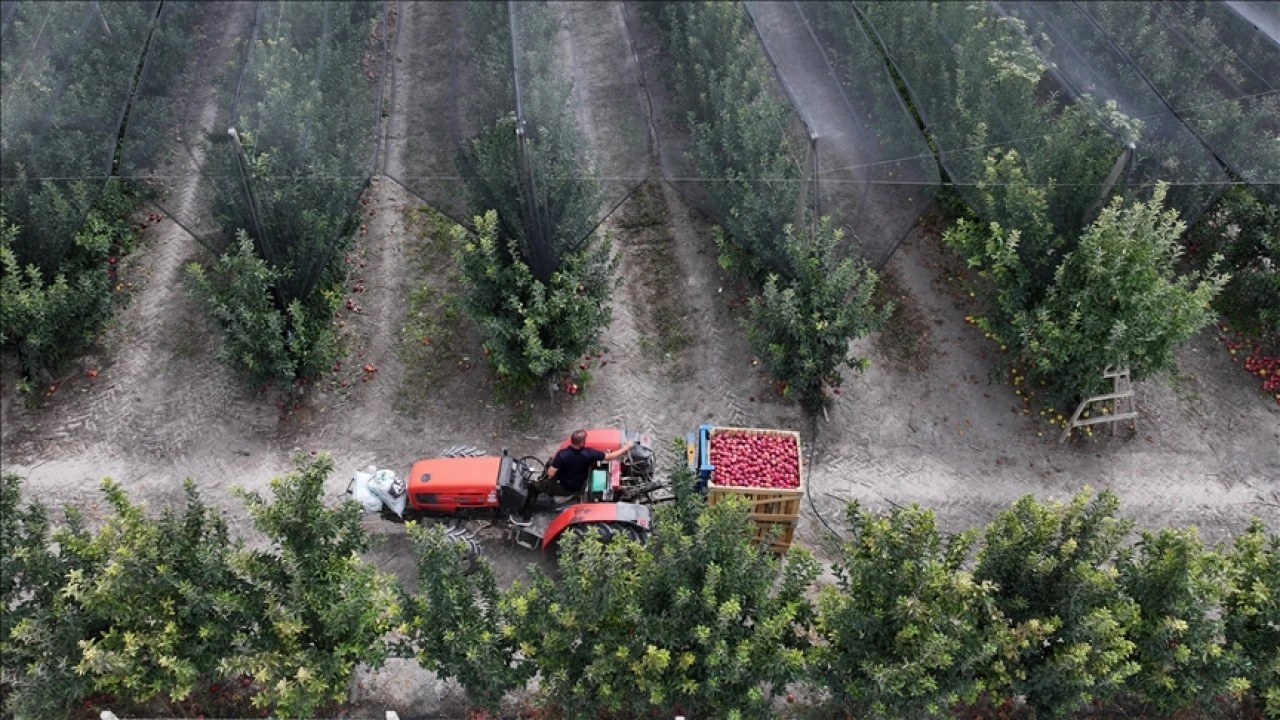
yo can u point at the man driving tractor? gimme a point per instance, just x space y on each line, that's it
568 470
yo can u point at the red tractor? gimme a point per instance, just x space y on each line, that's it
462 483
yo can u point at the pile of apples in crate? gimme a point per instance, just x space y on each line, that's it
744 459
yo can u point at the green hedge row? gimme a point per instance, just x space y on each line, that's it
1052 602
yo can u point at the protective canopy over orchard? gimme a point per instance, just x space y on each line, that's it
777 113
285 138
1095 98
532 109
67 73
1215 66
766 113
868 166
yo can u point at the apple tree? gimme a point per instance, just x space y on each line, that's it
268 345
458 623
323 610
1180 588
40 629
909 632
1252 612
532 329
699 621
173 606
1245 230
1053 567
145 607
1117 300
801 322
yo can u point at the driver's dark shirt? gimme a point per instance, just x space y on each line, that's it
573 465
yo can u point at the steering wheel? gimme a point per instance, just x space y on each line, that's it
534 465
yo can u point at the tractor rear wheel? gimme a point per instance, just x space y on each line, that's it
467 540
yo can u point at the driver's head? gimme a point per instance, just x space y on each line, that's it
578 438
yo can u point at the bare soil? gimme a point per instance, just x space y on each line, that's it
922 425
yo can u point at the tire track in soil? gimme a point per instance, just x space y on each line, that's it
417 143
587 61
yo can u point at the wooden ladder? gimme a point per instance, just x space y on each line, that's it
1122 395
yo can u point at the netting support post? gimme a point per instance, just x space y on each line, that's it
1124 164
536 243
809 187
242 164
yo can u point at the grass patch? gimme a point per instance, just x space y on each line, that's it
904 341
664 331
431 340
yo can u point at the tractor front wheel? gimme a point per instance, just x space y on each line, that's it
603 530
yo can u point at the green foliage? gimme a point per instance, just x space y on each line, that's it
1021 250
307 124
810 302
1178 639
44 220
459 624
1053 565
67 71
1201 60
1245 229
51 318
908 633
533 329
322 609
700 621
740 132
1113 299
801 324
173 607
142 608
288 188
267 345
544 187
1252 612
549 226
30 571
1116 300
43 645
977 80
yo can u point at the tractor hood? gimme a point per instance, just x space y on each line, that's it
450 483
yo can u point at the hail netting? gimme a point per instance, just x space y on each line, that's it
531 109
182 111
1216 66
301 90
67 70
732 145
1101 76
869 165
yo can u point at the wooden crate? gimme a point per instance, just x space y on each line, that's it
768 507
